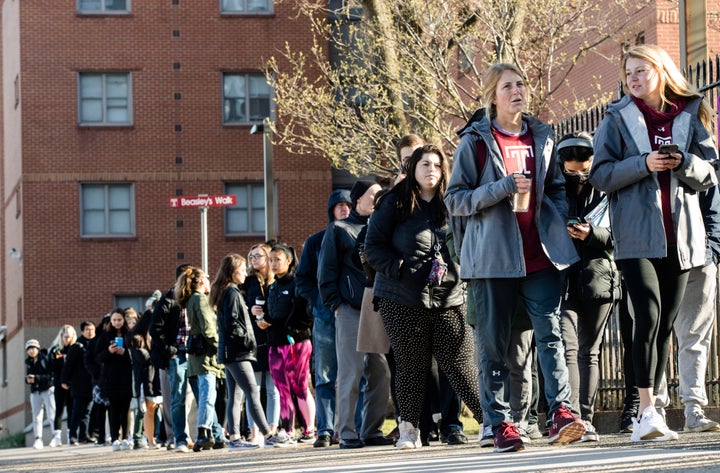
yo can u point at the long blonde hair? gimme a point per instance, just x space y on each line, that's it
672 83
58 340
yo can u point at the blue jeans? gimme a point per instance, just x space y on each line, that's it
177 374
204 388
325 368
497 301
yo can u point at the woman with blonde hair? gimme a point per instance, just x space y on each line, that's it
65 339
507 193
258 281
652 158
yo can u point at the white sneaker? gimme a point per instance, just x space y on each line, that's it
38 445
116 447
590 434
124 445
487 439
697 422
651 426
409 437
56 440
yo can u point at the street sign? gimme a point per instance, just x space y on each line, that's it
203 200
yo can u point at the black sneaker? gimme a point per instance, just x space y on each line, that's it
323 441
351 443
457 437
626 422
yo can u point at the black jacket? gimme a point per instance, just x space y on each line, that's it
56 361
287 313
402 253
75 374
41 369
262 337
341 277
164 327
235 328
116 375
595 277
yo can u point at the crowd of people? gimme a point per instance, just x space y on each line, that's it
489 284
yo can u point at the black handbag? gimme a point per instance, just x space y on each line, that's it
195 345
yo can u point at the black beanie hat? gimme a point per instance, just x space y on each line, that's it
359 189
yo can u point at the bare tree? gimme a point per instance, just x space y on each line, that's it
398 66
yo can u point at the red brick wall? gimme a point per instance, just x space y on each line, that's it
68 278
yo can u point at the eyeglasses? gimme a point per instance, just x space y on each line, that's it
258 256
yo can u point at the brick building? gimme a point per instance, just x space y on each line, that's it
110 108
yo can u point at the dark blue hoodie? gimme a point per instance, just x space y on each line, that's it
306 284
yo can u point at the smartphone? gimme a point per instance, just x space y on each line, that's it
668 149
572 221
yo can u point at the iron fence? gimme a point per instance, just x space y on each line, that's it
705 76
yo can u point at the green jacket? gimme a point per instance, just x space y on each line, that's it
203 322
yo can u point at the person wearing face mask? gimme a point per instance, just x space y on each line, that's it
593 283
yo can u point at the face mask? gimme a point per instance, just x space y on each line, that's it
576 178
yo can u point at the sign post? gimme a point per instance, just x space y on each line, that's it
203 201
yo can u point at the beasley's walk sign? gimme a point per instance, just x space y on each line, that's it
203 200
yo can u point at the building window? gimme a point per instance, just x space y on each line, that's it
246 98
104 99
246 6
247 217
103 6
137 302
107 210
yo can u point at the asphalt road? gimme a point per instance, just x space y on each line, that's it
614 453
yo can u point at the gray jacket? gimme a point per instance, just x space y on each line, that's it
487 236
619 169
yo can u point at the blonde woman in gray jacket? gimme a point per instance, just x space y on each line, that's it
653 154
508 256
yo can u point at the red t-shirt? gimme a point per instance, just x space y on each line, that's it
519 155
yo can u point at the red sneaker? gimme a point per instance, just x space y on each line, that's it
507 438
565 428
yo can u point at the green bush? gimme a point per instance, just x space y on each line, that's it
13 441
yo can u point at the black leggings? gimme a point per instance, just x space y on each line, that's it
118 410
655 288
63 401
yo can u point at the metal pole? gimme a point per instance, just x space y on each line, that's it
270 231
203 239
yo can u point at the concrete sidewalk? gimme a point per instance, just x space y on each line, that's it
693 452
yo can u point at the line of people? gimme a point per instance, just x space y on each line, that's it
478 285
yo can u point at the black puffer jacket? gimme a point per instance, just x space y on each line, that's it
402 253
287 313
41 369
116 373
341 277
235 328
595 277
262 337
75 374
164 326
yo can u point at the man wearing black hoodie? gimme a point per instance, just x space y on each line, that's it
341 281
323 333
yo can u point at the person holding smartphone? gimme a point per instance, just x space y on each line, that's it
593 283
116 376
655 215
